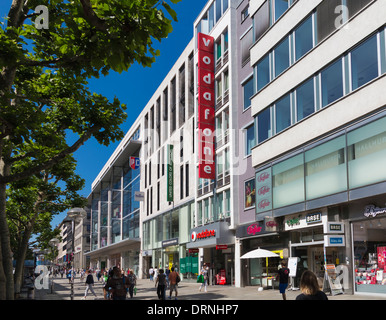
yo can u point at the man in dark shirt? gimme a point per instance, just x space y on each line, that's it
283 279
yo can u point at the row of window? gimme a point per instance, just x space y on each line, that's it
362 64
212 16
354 159
214 209
313 30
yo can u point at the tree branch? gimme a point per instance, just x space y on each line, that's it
50 163
91 16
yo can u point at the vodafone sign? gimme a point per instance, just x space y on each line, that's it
206 107
203 235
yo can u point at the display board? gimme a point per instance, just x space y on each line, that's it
292 266
333 280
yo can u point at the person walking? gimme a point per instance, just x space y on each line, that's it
174 279
151 273
283 276
89 285
161 281
205 273
309 287
132 280
117 285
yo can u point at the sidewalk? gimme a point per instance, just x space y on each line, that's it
186 291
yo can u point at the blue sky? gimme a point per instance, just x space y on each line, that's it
134 87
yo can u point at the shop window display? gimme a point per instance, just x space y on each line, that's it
370 255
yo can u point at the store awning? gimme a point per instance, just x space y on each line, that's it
259 253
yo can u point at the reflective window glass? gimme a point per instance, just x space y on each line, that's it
283 113
305 100
303 38
281 53
332 83
364 63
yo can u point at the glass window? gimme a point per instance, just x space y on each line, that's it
250 194
211 17
248 93
227 203
354 6
281 6
303 38
305 100
367 154
288 182
364 63
225 4
225 35
246 43
262 69
249 139
261 20
332 83
326 17
281 53
218 10
218 49
326 169
264 125
283 113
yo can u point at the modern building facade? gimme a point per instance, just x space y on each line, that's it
319 109
299 138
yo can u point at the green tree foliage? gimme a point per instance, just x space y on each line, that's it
44 76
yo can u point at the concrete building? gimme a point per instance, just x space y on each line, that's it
286 97
319 108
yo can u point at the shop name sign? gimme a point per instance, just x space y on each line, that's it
205 234
206 107
264 190
373 211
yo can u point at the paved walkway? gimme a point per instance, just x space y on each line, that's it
187 291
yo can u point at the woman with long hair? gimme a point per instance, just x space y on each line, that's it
310 288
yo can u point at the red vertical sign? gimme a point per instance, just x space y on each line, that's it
206 108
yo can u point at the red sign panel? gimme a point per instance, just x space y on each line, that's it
206 107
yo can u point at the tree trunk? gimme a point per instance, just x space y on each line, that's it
6 244
20 259
2 277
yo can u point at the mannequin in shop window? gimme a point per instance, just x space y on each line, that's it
310 288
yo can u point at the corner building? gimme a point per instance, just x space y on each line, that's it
319 110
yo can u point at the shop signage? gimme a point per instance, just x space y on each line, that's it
194 250
134 163
203 234
373 211
334 241
303 220
170 174
263 190
333 227
253 229
314 217
222 247
139 196
170 242
206 107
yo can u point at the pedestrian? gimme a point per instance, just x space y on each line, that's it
161 281
167 272
283 276
132 280
310 288
174 279
155 274
117 284
89 283
151 273
204 272
99 275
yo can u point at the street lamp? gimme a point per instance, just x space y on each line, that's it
74 215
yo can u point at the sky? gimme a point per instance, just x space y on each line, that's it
134 88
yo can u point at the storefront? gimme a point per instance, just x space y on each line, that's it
265 235
216 249
368 229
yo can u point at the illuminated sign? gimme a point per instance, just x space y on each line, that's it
203 234
206 107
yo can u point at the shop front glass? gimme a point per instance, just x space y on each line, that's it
369 255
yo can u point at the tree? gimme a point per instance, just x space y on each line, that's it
33 202
43 83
